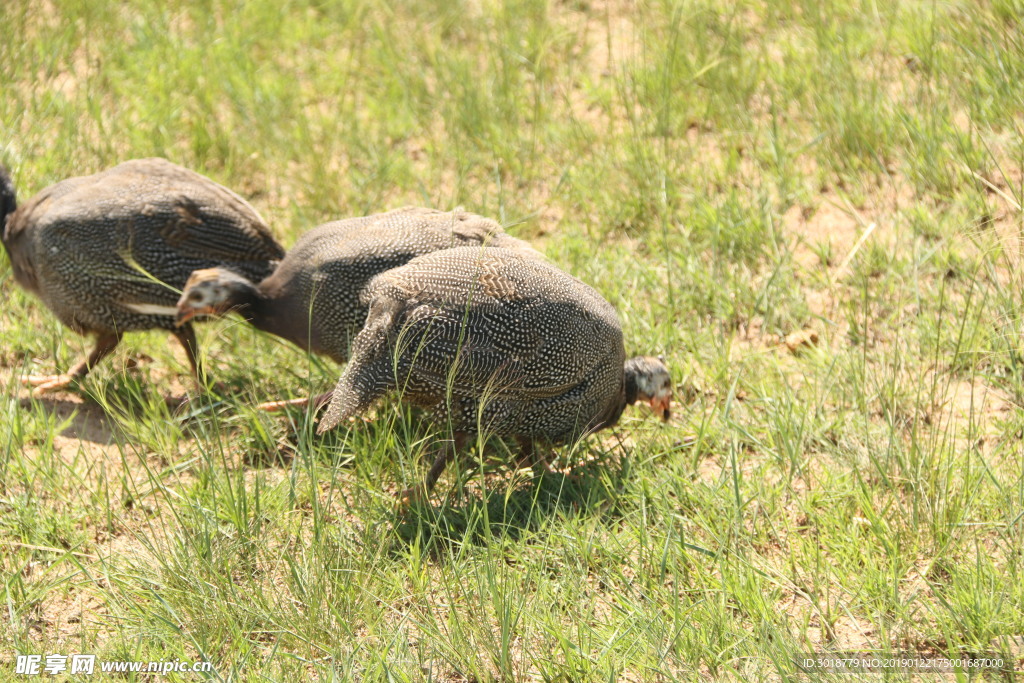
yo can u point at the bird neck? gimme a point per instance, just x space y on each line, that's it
247 301
14 242
613 411
265 310
632 390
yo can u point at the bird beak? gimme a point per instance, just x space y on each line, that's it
187 313
661 405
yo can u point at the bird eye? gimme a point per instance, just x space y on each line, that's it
195 297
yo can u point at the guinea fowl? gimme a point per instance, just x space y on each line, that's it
108 253
312 299
494 341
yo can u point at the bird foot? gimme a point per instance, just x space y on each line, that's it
317 401
544 467
541 466
571 476
275 406
44 384
416 495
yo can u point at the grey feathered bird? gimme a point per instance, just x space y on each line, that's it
492 340
312 298
108 253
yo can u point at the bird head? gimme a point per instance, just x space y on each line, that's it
648 380
212 291
8 199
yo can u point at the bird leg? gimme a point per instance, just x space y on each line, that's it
529 455
105 343
318 402
419 494
537 460
186 334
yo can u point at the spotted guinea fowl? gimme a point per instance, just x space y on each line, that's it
313 297
108 253
490 339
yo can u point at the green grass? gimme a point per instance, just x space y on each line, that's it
710 168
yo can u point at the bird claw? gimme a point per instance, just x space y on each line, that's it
317 401
541 466
44 384
572 476
275 406
416 495
36 380
567 474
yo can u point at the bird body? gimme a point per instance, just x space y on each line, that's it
489 339
313 296
492 340
108 253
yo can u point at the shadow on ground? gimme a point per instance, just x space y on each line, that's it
510 505
88 421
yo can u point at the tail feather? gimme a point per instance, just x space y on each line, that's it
355 392
340 407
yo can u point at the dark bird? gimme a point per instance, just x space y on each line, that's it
312 299
108 253
492 340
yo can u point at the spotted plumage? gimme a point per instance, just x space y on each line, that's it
493 340
313 297
108 253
